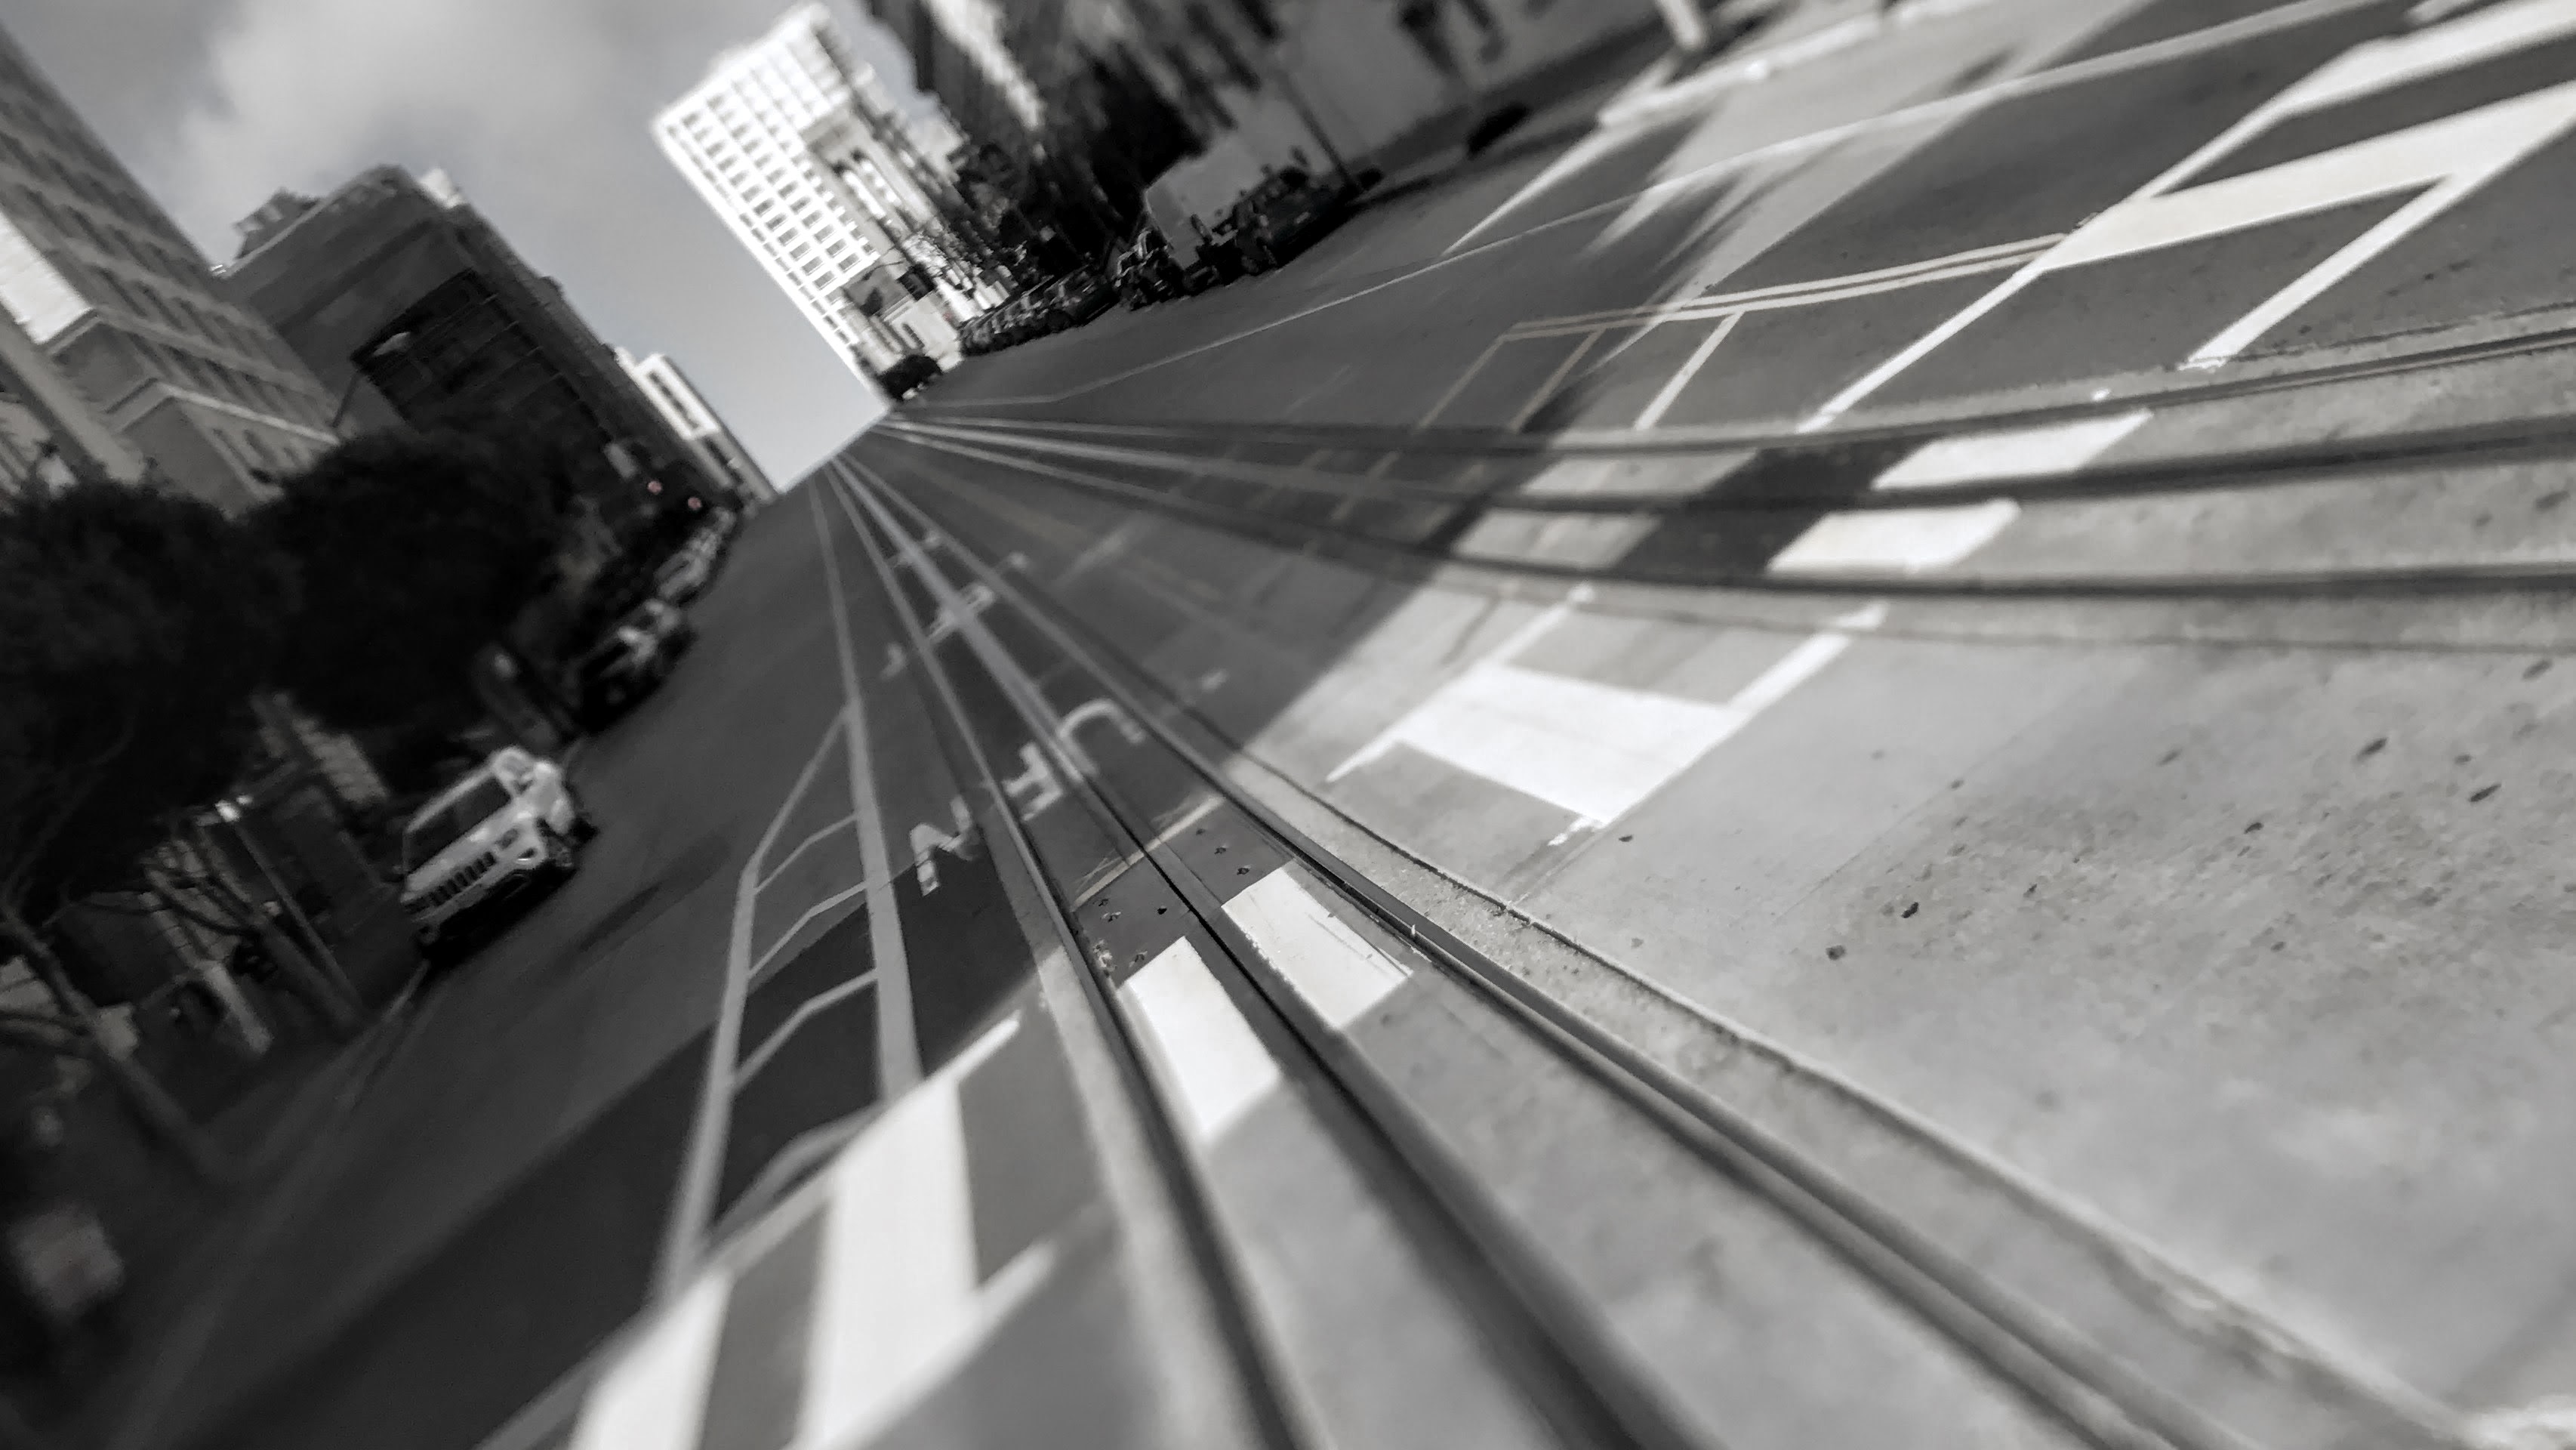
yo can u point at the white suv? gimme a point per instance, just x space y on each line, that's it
508 826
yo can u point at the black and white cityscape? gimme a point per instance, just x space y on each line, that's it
1287 725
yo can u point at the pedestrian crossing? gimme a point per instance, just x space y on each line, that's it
857 1295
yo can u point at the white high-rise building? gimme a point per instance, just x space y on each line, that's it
869 277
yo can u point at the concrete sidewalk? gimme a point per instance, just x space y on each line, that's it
184 1245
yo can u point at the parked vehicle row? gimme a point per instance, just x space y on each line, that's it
630 662
1288 212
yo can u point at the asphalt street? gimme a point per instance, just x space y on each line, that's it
1686 789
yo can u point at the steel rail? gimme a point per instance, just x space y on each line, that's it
2172 390
1561 1362
2071 1380
1278 1422
2479 444
2288 584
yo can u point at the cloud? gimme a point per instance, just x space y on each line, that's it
540 109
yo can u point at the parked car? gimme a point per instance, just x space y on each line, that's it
508 827
1145 271
1219 260
683 577
1283 216
630 662
1047 315
1084 294
911 373
1010 324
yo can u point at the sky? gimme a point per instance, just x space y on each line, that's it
540 110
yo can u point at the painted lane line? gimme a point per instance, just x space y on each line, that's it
1455 390
806 1011
702 1164
1805 662
1798 294
2394 60
809 843
760 965
1594 751
1752 69
1761 65
759 1201
1203 1051
2452 156
653 1396
2216 37
2018 453
1338 971
1672 390
2515 131
1555 380
898 1054
899 1301
2456 151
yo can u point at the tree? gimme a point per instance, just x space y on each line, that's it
414 550
135 625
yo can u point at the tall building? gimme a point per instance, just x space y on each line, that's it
51 434
854 237
412 308
698 425
115 295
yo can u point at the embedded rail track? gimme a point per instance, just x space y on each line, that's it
1272 1005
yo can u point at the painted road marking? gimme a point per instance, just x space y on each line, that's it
898 1055
1205 1053
899 1300
1974 262
760 965
1728 310
654 1396
806 1011
2447 159
1910 541
1595 751
2393 60
1592 750
809 843
1555 380
2213 38
1338 971
701 1167
1904 541
1671 392
2013 453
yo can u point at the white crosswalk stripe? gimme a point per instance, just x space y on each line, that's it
899 1299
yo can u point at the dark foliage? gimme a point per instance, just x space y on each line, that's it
414 550
135 625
